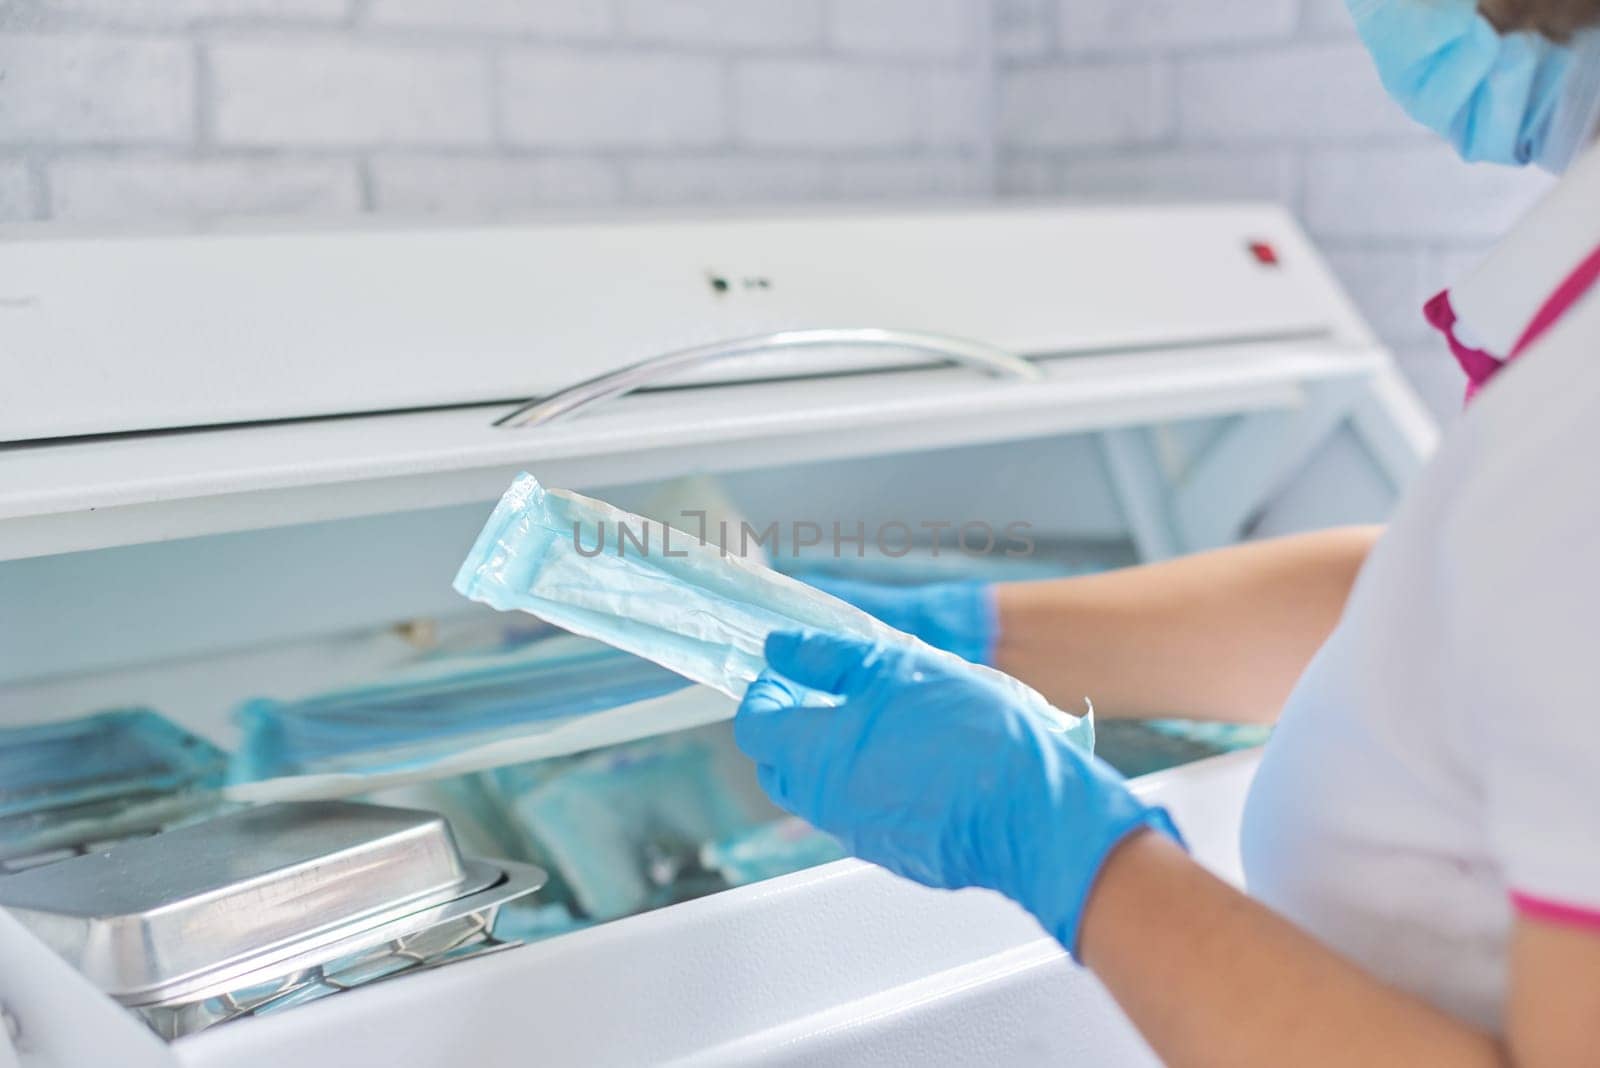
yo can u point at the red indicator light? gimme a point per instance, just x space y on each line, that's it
1264 253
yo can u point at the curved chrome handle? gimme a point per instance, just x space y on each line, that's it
986 358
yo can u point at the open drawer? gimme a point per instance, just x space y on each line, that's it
882 971
245 521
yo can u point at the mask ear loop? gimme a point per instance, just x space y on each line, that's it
1577 115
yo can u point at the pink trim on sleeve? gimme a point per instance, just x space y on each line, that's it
1556 912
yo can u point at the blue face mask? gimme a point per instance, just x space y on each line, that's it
1513 98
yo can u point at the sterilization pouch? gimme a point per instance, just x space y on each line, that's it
623 826
664 595
66 784
403 723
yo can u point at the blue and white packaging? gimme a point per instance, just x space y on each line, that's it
664 595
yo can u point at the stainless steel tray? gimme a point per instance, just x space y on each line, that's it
205 908
455 931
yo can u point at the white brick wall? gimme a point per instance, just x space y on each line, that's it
807 103
1023 28
111 189
737 23
1393 283
551 99
568 19
490 186
85 90
137 11
954 109
320 94
941 177
1084 105
121 110
725 179
732 179
833 104
1413 195
1289 92
932 28
1140 25
132 110
1325 17
16 191
1265 174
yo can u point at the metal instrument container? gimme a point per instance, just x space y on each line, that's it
223 918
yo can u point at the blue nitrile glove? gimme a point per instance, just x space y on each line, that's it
958 617
929 771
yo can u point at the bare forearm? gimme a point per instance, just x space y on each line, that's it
1218 635
1211 977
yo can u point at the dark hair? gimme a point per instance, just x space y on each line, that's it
1556 19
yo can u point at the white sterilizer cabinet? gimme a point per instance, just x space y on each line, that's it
271 793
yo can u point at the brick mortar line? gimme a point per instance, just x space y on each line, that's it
1180 53
366 185
39 188
112 28
176 37
53 154
988 82
1007 153
1013 149
513 37
227 154
248 29
205 96
1299 184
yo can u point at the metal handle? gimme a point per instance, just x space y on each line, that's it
986 358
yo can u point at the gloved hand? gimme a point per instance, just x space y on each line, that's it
930 772
958 617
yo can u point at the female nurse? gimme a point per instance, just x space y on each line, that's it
1422 842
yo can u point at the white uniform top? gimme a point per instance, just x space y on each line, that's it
1438 765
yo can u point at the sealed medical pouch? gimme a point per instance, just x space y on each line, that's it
669 597
411 722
